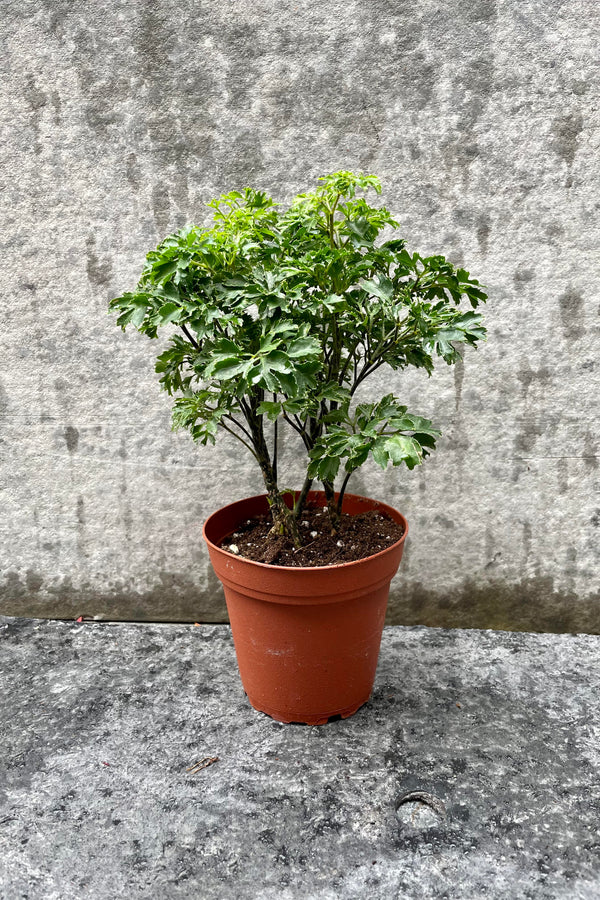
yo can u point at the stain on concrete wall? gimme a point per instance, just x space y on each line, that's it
482 122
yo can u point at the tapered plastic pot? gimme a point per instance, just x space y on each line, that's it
306 639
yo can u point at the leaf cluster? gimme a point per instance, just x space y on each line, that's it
280 316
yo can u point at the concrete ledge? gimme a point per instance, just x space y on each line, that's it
494 735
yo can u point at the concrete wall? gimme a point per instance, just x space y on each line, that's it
122 118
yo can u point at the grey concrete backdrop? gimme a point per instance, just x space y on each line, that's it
122 118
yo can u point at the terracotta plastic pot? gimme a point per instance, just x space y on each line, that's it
307 639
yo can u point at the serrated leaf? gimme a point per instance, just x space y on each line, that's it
409 422
332 302
401 448
168 291
269 342
380 454
223 369
426 440
325 468
396 245
139 315
169 312
294 406
276 361
270 409
358 458
334 391
336 416
286 382
226 347
125 318
164 271
306 346
383 289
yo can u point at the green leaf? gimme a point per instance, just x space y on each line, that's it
168 291
413 423
226 347
163 271
285 382
303 347
269 342
139 314
229 367
270 409
380 454
395 245
294 406
426 439
125 318
277 361
383 289
332 302
334 391
170 312
401 448
325 468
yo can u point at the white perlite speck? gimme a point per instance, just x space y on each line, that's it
314 534
233 548
340 543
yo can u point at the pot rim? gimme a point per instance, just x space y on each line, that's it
298 569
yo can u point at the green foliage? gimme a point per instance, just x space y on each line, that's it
385 430
281 316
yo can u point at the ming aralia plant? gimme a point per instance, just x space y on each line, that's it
280 317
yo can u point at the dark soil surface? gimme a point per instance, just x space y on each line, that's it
358 537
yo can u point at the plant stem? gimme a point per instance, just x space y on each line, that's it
240 439
299 505
300 431
238 425
192 340
284 522
275 443
340 499
334 516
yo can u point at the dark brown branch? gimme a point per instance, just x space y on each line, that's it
301 432
368 370
378 359
299 505
299 423
283 518
238 424
332 510
340 499
192 340
347 362
245 409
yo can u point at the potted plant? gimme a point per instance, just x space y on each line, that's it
278 320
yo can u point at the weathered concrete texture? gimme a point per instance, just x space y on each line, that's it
122 118
101 722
